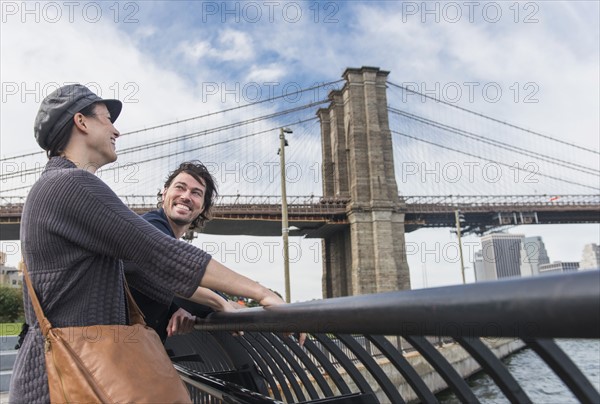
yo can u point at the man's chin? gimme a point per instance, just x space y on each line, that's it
181 221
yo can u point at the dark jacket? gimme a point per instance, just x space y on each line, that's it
74 233
154 300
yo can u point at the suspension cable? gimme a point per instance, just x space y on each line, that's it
479 114
496 143
494 161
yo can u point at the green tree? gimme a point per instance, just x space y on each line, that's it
11 304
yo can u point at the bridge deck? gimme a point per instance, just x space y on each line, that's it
318 217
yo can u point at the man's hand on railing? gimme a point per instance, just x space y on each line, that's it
215 301
271 299
233 306
301 338
181 322
229 307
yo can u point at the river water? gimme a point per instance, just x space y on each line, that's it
535 377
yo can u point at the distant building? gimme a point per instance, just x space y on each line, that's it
559 266
482 273
590 259
507 255
9 276
501 255
533 254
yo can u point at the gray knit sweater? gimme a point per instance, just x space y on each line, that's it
74 233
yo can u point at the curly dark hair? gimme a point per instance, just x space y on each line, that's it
201 174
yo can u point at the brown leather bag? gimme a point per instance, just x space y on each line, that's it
108 363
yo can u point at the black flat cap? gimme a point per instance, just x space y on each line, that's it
61 105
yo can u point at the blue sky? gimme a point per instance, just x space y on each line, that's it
161 58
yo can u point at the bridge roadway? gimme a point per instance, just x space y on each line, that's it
317 217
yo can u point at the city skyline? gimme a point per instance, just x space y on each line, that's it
505 255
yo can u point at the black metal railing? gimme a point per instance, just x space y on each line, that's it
393 347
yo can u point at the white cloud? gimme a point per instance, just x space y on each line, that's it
144 32
264 74
194 51
95 54
234 46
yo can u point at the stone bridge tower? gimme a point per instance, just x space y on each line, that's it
368 256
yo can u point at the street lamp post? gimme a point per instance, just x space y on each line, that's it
458 216
284 212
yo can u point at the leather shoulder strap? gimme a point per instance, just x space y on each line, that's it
39 313
135 314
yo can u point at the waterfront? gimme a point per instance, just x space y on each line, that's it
539 382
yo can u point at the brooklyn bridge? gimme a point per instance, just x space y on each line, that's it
387 160
369 161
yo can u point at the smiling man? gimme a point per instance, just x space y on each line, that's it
187 197
184 204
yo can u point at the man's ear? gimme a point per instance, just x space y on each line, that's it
80 121
164 192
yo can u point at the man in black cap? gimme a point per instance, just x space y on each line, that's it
74 106
75 233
